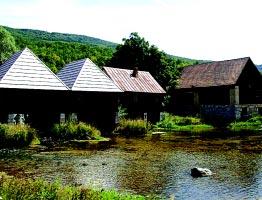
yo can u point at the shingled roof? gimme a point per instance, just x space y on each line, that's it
24 70
143 82
84 75
218 73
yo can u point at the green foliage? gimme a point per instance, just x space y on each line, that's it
16 135
14 188
71 130
121 112
178 123
252 124
137 52
132 127
7 45
56 49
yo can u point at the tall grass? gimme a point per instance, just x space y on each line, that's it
73 130
16 135
28 189
179 123
132 127
252 124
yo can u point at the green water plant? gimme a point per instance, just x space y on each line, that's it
252 124
182 124
73 130
17 135
28 189
130 127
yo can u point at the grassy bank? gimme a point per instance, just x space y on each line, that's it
182 124
13 188
20 135
253 124
75 131
129 127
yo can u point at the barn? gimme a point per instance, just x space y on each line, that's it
229 89
93 95
29 88
142 95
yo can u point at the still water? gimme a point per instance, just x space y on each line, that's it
159 165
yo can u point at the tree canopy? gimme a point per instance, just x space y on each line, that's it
7 45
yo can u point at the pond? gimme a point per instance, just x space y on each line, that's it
157 165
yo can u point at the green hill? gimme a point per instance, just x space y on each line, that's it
58 49
53 36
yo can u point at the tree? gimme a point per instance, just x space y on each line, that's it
7 45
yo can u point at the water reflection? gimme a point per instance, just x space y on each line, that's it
157 166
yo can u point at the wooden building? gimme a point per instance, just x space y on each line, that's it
142 95
93 96
30 88
230 89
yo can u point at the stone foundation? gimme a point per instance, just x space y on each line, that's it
230 112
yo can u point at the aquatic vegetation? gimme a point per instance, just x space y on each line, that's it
130 127
252 124
179 123
72 130
14 188
17 135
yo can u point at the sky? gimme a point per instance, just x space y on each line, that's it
197 29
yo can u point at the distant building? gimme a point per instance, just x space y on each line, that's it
230 89
142 95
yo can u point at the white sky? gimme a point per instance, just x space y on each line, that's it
199 29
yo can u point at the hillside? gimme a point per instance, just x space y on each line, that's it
53 36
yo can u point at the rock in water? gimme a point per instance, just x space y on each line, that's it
200 172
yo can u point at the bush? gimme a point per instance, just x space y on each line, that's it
16 135
252 124
171 121
13 188
132 127
178 123
73 130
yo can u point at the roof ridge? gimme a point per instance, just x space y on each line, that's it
18 52
218 61
82 67
125 69
46 67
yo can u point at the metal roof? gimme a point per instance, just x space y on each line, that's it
24 70
143 82
211 74
84 75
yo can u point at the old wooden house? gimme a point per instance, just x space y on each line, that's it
230 89
28 87
93 96
142 95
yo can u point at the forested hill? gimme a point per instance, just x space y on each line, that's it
53 36
57 49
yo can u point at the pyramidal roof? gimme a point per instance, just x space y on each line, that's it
24 70
84 75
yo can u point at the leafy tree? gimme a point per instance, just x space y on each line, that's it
7 45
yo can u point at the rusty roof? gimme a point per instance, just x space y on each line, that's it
143 82
218 73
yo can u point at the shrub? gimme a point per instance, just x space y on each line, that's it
73 130
252 124
178 123
14 188
132 127
170 121
16 135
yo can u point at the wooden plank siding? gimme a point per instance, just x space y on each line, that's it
84 75
24 70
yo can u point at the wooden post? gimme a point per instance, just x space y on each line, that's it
196 98
234 95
